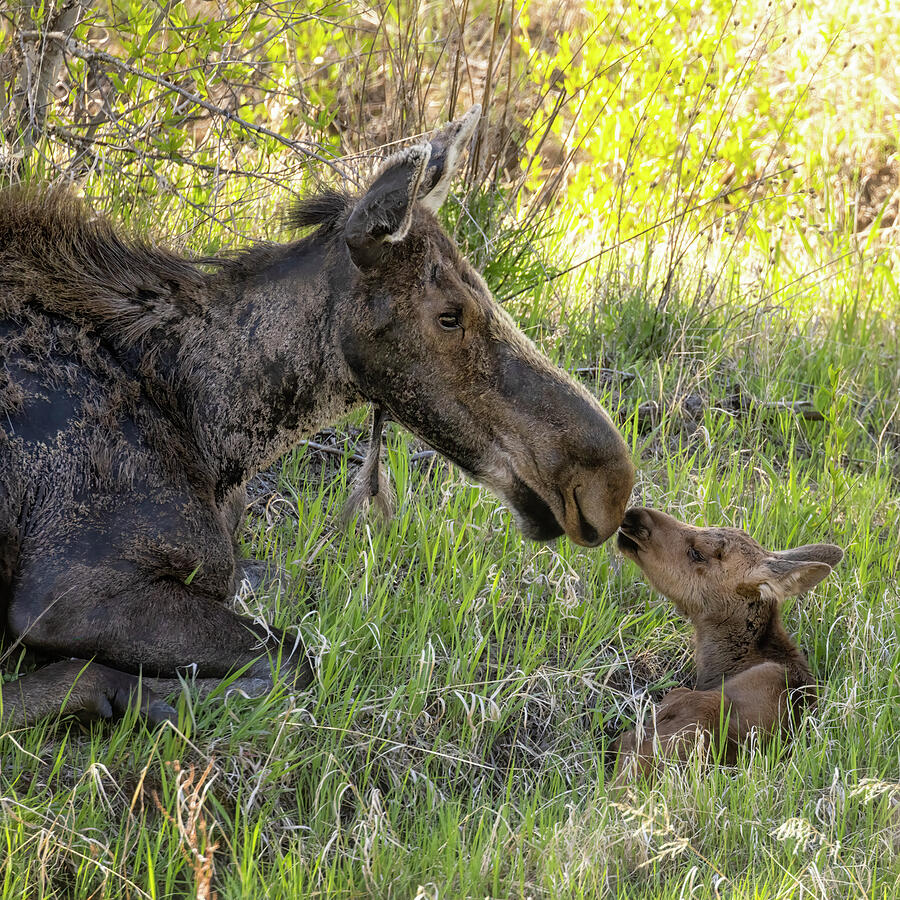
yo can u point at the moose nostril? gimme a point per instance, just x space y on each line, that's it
588 533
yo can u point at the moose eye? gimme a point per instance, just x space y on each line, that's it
695 555
449 320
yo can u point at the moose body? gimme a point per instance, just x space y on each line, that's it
139 391
751 675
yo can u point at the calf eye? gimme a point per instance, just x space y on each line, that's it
695 555
449 320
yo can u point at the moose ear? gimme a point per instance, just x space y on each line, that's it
776 577
383 214
446 147
825 553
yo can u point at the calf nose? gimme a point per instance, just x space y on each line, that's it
637 522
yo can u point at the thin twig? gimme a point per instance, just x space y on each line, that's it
334 451
668 220
353 456
803 408
604 370
87 53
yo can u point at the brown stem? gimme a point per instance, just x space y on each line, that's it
87 53
40 69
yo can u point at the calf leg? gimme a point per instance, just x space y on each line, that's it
262 575
760 697
681 718
89 690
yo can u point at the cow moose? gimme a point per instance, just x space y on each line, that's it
140 390
750 673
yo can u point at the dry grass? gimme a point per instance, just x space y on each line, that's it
468 682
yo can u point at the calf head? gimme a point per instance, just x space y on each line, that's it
425 341
718 574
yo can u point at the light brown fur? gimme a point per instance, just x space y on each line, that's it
751 675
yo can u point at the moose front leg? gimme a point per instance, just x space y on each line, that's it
75 686
151 626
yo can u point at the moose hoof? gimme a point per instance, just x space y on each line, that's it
302 671
256 576
296 666
295 671
285 657
100 692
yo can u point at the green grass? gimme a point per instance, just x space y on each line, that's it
468 681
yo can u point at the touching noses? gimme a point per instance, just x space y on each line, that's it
596 499
599 484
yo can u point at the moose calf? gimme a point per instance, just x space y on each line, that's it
750 672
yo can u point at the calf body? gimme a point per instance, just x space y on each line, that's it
139 391
751 675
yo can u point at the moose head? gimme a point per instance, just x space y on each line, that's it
425 341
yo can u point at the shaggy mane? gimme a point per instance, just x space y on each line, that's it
324 209
59 255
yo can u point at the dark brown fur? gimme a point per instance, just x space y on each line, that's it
139 390
750 672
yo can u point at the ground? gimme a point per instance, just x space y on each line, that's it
733 302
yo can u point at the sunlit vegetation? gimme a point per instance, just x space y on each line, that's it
693 206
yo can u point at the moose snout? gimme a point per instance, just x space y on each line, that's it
595 488
572 470
594 506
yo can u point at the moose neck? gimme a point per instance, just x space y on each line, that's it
262 368
723 649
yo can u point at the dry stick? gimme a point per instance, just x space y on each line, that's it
51 822
402 745
78 141
334 451
802 408
671 250
552 185
725 110
513 21
356 457
604 370
454 75
790 117
562 99
476 153
33 112
682 153
88 54
365 79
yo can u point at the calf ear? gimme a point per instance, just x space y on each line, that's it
825 553
383 214
776 577
446 148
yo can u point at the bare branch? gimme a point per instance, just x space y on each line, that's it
87 53
39 71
